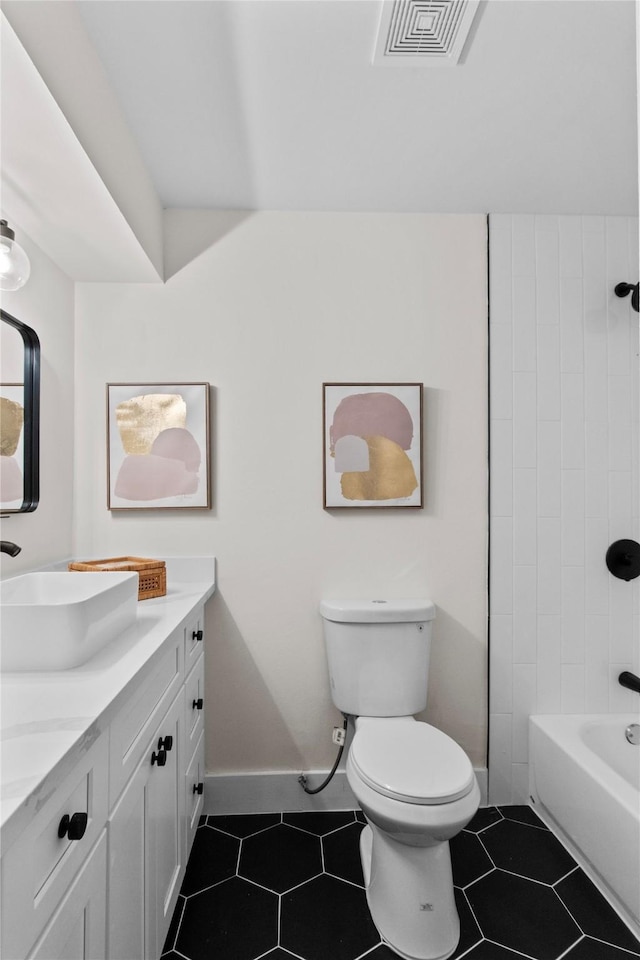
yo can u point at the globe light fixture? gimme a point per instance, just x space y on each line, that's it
14 263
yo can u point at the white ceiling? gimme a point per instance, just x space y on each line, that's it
275 104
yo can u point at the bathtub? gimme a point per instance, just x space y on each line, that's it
584 780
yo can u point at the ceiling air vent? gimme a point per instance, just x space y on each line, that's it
423 33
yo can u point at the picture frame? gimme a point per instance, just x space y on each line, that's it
372 445
158 446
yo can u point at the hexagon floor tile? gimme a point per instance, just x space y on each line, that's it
290 887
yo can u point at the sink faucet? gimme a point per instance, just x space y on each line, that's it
629 680
11 548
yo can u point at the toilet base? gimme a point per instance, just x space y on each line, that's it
410 895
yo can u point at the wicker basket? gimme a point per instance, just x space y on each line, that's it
152 574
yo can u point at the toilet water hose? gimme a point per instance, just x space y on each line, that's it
302 780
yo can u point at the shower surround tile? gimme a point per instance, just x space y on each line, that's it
564 382
518 893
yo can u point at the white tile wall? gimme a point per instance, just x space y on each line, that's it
565 476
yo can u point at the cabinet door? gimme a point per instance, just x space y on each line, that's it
77 930
165 827
147 845
126 934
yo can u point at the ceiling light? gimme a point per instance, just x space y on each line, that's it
14 263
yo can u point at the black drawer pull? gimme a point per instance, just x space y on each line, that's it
165 743
198 704
160 758
73 827
198 788
197 634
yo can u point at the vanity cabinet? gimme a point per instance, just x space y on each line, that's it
112 892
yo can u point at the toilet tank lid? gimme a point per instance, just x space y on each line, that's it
378 611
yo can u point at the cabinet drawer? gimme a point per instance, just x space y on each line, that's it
194 706
38 868
135 723
193 639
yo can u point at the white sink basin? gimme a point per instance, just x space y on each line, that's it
56 621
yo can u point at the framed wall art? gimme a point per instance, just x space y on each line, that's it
372 444
158 446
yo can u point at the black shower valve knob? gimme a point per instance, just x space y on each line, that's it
623 559
624 289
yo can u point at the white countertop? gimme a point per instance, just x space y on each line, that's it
49 720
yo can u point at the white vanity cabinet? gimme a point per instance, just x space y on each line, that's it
149 827
110 895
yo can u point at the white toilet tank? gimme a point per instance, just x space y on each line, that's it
378 655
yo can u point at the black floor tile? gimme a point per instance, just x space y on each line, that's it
319 823
592 913
522 914
327 918
214 858
290 887
341 851
527 851
486 950
590 949
522 814
483 819
470 932
280 858
216 922
469 859
381 953
278 954
244 826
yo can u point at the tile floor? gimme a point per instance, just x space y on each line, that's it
284 886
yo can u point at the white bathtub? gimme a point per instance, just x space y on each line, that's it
584 780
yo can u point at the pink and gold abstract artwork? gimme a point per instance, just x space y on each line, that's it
372 444
158 445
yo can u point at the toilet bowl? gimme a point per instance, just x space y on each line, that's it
417 789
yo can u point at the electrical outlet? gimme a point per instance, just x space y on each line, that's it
338 736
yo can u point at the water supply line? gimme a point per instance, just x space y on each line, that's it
302 780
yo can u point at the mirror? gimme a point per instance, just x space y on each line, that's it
19 416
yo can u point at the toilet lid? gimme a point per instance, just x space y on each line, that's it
411 761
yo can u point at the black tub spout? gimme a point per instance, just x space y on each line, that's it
629 680
11 548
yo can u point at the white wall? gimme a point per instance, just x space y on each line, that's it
46 303
565 480
276 306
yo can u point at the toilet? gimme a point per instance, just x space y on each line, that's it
415 785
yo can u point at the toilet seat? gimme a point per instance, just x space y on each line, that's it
411 761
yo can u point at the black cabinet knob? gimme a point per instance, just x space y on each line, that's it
197 634
160 758
165 743
73 826
198 704
198 788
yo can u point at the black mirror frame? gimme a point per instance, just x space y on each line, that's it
31 472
